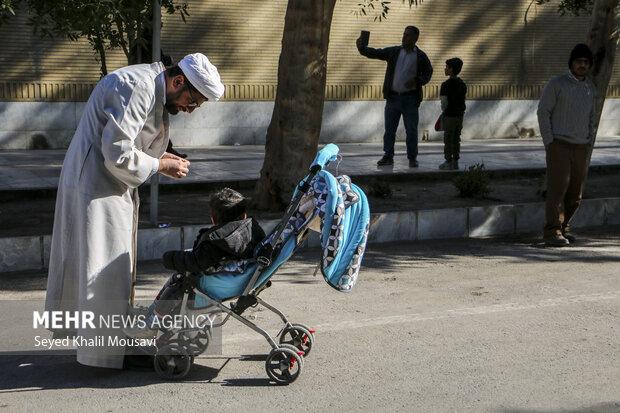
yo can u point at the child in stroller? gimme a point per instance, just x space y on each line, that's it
342 211
230 242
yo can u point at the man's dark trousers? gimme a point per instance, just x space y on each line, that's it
395 106
567 165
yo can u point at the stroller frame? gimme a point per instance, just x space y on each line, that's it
176 348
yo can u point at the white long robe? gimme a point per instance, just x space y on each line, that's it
123 127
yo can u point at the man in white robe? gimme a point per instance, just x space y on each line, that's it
120 143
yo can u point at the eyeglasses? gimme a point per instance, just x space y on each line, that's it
193 103
582 61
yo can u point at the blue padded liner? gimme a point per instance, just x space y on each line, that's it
328 154
330 204
356 217
224 286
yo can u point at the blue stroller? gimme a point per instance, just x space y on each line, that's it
331 205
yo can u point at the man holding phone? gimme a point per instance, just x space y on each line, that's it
408 69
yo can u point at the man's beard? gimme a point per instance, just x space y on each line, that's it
172 108
171 102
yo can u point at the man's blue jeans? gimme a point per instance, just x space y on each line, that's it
395 106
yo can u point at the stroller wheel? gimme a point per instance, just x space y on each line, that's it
296 350
283 365
172 362
306 327
298 336
195 342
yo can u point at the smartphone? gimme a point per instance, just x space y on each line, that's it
365 36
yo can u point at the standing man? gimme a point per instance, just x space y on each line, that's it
119 143
566 120
408 69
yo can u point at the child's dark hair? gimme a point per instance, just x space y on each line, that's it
227 205
456 64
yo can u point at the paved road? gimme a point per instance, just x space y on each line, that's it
476 325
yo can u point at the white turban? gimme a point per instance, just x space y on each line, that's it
202 75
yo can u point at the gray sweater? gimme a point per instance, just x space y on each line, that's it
566 110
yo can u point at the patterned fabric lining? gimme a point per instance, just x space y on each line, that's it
346 197
350 278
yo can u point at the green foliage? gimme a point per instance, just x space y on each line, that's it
475 182
378 9
6 10
107 24
573 7
7 5
379 188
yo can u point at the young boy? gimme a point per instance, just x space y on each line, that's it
452 96
233 236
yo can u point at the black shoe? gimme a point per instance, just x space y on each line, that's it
570 237
137 362
556 240
386 160
447 165
413 163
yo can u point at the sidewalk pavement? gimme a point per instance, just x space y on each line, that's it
34 171
40 169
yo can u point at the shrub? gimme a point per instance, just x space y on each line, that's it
475 182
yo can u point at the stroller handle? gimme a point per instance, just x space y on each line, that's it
265 252
325 155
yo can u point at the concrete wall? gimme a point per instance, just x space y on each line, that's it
27 253
41 125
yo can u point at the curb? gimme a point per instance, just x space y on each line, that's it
188 186
32 253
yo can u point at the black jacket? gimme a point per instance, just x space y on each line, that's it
455 90
231 241
390 54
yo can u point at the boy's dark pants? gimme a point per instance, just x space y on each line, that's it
567 165
452 126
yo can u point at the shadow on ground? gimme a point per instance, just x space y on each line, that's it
610 407
52 370
592 246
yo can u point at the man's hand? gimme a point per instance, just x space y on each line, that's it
359 43
168 155
173 166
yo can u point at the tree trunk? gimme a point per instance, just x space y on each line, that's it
293 134
98 44
602 39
